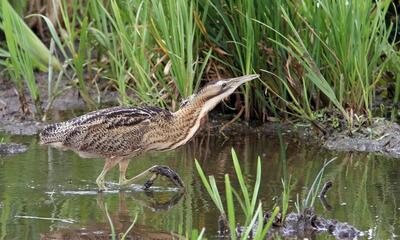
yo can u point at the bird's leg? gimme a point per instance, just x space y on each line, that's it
123 165
154 172
108 165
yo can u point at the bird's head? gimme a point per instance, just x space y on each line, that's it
214 92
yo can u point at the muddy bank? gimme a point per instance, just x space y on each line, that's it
381 136
13 121
308 224
12 148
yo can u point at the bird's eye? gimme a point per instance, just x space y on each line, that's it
224 85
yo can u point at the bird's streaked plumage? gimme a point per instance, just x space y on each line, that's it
121 133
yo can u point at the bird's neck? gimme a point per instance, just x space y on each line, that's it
188 119
191 112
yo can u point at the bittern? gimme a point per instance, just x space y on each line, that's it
120 133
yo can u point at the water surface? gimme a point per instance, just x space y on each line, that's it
51 194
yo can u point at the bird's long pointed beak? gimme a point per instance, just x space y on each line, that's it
242 79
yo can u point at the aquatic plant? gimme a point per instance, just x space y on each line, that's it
312 194
254 212
339 46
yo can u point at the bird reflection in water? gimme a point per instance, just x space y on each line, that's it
121 220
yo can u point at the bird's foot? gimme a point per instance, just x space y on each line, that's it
102 189
166 172
101 184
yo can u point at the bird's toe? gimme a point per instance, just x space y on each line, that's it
170 174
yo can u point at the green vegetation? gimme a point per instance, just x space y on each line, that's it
313 192
247 199
25 51
312 55
253 211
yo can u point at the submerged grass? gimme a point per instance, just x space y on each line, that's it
312 55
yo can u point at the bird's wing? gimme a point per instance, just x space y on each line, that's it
111 131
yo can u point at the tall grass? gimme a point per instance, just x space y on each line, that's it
75 43
153 48
21 62
25 37
177 34
312 55
233 30
122 33
25 53
249 202
326 54
339 46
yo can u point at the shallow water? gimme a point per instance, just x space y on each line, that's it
51 194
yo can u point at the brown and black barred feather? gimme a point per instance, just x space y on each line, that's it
113 131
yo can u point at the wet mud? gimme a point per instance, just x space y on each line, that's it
13 121
12 148
381 137
306 225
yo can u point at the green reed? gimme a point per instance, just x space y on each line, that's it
231 28
121 31
79 57
311 55
32 44
66 36
25 53
20 62
249 202
152 48
196 235
176 29
339 46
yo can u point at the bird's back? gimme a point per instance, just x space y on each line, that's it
107 132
